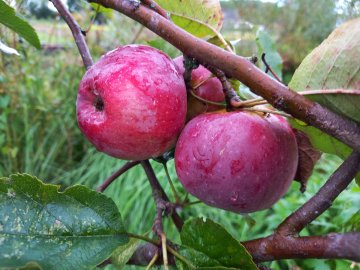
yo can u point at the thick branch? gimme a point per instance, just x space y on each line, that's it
323 199
242 69
127 166
277 247
331 246
76 31
158 190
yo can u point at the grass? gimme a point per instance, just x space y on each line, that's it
39 135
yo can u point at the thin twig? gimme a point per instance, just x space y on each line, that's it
156 187
323 199
154 6
127 166
205 100
268 68
231 97
138 33
76 31
152 262
264 110
164 251
177 198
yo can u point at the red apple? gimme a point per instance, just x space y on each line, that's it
132 103
237 161
211 89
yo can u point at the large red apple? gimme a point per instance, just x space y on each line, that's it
237 161
132 103
210 89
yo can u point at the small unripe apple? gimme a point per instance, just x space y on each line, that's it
132 103
211 89
237 161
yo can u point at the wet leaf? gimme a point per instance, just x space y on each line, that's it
206 244
198 17
75 229
9 18
332 66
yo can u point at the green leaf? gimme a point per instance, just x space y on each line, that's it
122 254
201 18
331 66
75 229
18 25
100 8
353 224
266 45
164 46
221 43
207 244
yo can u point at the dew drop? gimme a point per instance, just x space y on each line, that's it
234 197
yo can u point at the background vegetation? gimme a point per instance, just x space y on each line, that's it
38 129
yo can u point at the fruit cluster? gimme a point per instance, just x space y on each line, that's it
132 104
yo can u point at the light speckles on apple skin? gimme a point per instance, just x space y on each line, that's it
144 100
237 161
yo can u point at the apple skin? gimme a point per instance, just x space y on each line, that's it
132 103
211 90
237 161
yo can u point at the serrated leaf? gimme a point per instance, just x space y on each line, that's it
122 254
75 229
198 17
18 25
331 66
266 45
207 244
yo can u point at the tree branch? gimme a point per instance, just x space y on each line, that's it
158 192
323 199
331 246
76 31
240 68
127 166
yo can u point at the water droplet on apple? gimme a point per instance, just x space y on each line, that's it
234 197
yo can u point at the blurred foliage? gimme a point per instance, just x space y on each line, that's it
39 133
298 26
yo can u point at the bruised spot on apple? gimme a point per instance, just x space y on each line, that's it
211 90
132 103
237 161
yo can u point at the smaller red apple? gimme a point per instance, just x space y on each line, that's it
132 103
210 89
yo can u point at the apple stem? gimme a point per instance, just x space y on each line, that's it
205 100
177 198
164 251
127 166
152 262
263 110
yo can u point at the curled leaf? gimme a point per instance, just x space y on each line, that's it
308 156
